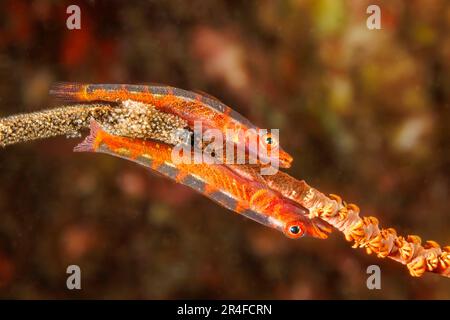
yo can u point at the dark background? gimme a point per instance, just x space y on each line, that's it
364 113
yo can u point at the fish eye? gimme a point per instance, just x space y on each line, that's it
294 230
269 140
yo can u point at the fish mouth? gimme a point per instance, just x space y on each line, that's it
285 164
281 161
285 160
319 229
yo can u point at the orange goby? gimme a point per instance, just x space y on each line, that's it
250 198
190 106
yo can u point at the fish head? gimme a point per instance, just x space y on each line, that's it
270 149
296 223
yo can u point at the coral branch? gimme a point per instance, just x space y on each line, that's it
365 232
137 120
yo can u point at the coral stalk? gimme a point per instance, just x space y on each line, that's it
365 232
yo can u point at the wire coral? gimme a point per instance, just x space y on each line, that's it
365 232
137 120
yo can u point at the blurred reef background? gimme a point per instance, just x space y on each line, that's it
365 114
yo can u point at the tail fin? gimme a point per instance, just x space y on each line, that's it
67 91
89 145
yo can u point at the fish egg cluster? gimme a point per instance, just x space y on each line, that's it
130 119
142 121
